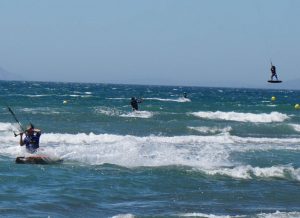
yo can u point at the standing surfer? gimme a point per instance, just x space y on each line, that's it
273 72
135 103
31 140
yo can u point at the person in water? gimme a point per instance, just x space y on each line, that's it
185 95
135 103
273 72
31 140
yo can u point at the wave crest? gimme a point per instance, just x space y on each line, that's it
242 117
180 99
276 214
249 172
212 130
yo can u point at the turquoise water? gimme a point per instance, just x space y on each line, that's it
220 153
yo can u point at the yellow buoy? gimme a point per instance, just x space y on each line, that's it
65 102
297 106
273 98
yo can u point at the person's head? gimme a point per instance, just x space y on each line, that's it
132 98
30 128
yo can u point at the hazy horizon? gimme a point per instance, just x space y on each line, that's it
266 86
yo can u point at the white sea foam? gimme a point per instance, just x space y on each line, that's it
249 172
108 111
129 151
124 216
86 96
41 110
200 152
7 127
115 112
119 98
181 99
212 130
233 143
203 215
30 96
276 214
279 214
296 127
242 117
37 96
138 114
252 142
208 154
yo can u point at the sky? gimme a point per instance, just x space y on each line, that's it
160 42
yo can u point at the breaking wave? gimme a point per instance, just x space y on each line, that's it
242 117
212 130
276 214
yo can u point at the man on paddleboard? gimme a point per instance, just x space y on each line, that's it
31 140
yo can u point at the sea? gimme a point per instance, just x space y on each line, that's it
219 153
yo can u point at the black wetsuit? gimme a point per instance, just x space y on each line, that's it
135 103
273 71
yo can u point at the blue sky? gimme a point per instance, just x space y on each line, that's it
187 42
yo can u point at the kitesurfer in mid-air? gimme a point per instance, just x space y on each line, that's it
273 72
135 103
31 140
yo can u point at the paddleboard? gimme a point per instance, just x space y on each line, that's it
38 160
274 81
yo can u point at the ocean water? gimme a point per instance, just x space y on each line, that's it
223 152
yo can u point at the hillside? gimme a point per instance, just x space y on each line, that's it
5 75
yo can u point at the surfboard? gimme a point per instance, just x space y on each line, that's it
274 81
38 160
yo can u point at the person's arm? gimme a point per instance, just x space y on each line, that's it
37 131
21 139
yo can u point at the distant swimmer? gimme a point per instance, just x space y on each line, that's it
273 72
31 140
135 103
185 95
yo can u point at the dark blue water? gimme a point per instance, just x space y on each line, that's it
219 153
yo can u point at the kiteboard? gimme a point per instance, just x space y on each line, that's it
38 160
274 81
